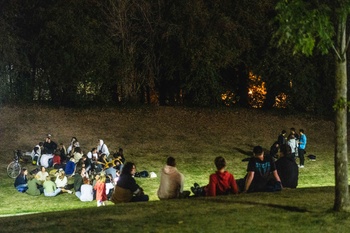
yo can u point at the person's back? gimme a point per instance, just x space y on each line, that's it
70 167
33 184
288 172
221 182
171 181
49 186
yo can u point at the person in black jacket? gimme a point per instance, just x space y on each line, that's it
287 168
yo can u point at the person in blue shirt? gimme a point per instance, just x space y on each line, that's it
301 147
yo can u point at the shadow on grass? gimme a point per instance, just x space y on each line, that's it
283 207
247 153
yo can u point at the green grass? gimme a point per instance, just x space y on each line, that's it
194 137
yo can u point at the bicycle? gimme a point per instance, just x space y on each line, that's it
14 168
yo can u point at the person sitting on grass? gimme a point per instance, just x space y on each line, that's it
126 189
35 187
262 175
86 191
62 181
21 181
287 168
50 189
42 174
70 167
220 183
171 182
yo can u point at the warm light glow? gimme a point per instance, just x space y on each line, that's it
256 91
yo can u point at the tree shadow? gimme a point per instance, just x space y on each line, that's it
247 153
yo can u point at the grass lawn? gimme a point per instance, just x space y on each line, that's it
194 137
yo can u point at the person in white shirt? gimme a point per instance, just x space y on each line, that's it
102 148
86 192
41 175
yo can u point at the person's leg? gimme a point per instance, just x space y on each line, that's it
301 157
140 198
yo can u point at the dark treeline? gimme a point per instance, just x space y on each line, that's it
167 52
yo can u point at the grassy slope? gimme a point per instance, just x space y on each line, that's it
194 137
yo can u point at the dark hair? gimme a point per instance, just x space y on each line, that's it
292 129
286 150
283 131
220 162
77 149
93 149
301 130
258 150
171 161
127 168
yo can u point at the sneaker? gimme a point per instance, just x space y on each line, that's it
301 166
70 191
196 185
185 194
194 191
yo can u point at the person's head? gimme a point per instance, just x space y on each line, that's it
171 161
129 168
74 139
41 144
24 171
258 151
77 150
43 169
283 132
61 174
86 180
102 177
94 150
220 162
292 130
285 150
301 131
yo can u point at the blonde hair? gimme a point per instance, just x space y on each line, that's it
102 178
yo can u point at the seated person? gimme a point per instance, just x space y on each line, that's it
287 168
86 191
111 171
36 153
56 160
62 181
262 175
35 187
46 160
70 167
42 174
126 189
21 181
49 145
220 183
50 189
171 182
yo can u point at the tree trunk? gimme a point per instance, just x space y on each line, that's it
341 202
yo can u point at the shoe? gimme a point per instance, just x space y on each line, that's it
69 191
194 191
184 194
301 166
196 185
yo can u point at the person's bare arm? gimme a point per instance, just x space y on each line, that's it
248 181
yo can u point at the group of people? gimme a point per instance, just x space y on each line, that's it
101 177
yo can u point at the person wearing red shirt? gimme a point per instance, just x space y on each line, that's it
220 183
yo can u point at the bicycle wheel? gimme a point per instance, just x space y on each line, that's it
13 169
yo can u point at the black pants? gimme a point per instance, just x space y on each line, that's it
301 156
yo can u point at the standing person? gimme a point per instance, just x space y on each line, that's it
282 138
287 168
100 187
171 181
292 131
302 146
49 145
261 173
21 181
126 189
220 183
292 142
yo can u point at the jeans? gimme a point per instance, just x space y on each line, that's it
301 156
57 191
